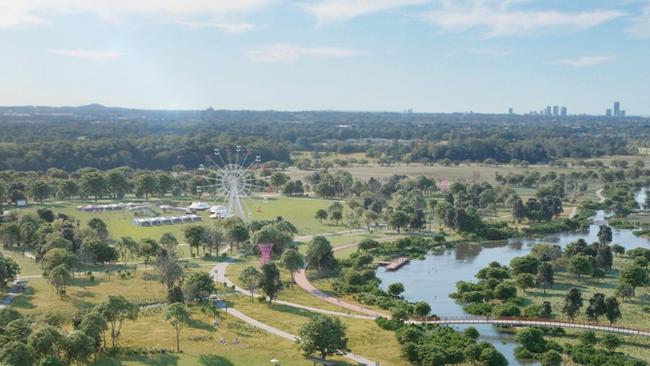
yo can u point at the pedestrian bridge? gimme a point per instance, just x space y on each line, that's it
546 323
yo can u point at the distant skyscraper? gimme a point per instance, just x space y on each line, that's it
511 111
563 111
556 110
548 110
622 113
617 109
608 113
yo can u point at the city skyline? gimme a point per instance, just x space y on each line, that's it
355 55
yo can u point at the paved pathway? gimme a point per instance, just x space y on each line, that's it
218 274
15 290
599 194
349 231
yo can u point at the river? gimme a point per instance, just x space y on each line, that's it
435 277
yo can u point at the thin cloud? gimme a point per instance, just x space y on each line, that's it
640 27
497 18
338 10
492 52
36 12
586 61
284 53
89 55
226 27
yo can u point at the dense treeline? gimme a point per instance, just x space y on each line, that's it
105 138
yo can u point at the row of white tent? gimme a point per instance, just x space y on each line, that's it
166 220
113 207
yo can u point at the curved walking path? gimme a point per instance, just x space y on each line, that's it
599 194
547 323
218 274
301 280
16 289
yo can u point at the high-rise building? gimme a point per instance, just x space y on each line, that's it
622 113
548 110
617 109
511 110
563 111
556 110
608 113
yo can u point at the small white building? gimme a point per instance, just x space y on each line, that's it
219 212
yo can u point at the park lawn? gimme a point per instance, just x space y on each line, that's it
27 265
366 338
39 298
297 210
632 309
199 343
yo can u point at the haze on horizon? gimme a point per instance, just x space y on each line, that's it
377 55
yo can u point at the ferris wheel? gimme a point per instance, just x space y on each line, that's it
229 178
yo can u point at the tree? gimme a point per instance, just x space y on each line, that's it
195 236
9 270
596 306
270 282
551 358
545 275
612 310
69 188
532 339
323 335
238 233
15 354
598 274
604 234
634 276
546 311
398 219
79 347
588 338
94 184
525 281
146 184
250 277
395 289
320 254
116 310
581 265
610 342
59 277
168 267
605 257
572 303
368 244
40 190
293 261
526 264
148 248
169 241
93 324
126 245
336 216
198 286
164 184
214 238
278 179
99 228
118 185
422 309
177 315
320 215
43 341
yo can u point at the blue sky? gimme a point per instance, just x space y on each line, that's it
429 55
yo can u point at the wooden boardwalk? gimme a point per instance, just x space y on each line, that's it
395 264
546 323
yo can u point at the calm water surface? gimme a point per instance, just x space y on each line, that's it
435 277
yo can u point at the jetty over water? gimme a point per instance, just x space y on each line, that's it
395 264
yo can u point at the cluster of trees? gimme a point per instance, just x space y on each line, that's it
440 345
9 270
25 343
90 182
595 351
